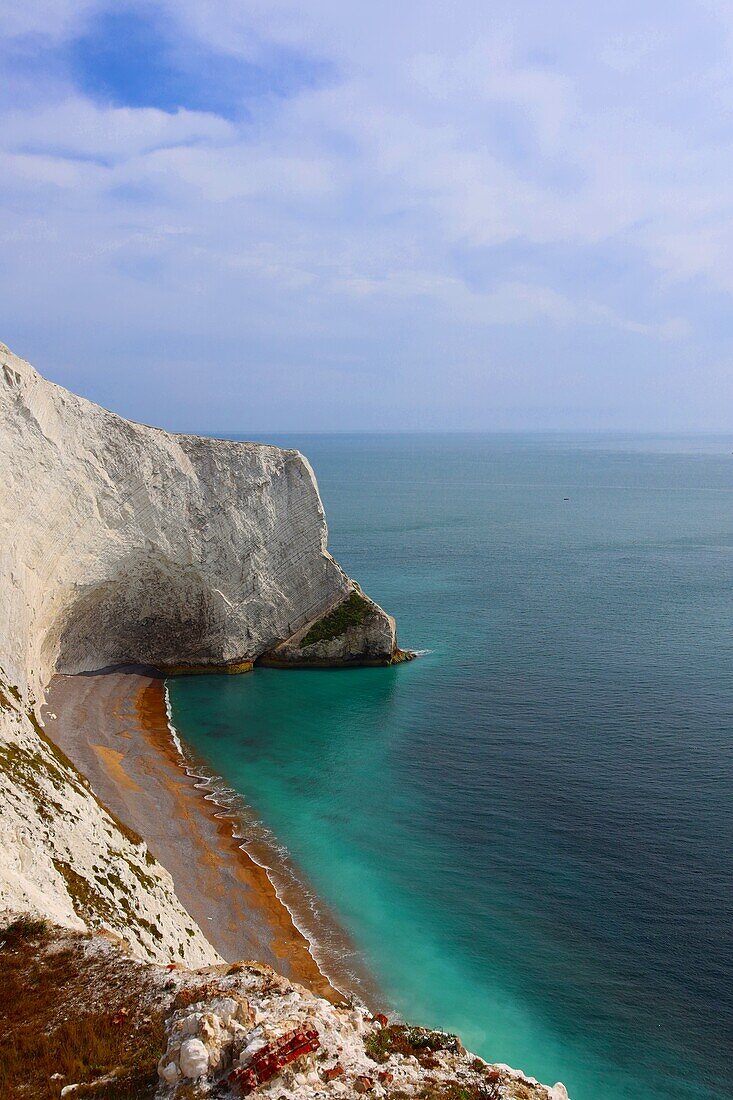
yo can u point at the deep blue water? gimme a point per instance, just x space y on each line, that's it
529 831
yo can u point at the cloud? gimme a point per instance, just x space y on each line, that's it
54 20
397 184
79 128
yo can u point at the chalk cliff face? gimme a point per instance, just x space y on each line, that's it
64 856
121 543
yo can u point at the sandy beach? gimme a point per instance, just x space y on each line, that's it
114 727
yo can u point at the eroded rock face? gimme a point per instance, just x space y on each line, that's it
125 544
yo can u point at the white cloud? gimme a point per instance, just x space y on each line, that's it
54 19
450 172
224 174
76 127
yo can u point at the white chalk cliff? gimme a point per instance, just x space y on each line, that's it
64 857
121 543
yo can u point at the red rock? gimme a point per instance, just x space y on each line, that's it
332 1072
381 1019
273 1058
363 1084
386 1077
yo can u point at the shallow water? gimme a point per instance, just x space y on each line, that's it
529 831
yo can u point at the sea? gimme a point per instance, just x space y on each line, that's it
526 834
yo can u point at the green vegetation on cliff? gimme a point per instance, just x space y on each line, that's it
352 612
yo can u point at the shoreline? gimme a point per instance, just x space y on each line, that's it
313 921
241 889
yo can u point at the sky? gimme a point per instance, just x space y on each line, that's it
265 215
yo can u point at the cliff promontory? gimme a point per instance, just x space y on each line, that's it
125 544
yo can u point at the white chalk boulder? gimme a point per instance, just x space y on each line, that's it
194 1058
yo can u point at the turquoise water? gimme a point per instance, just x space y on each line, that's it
528 832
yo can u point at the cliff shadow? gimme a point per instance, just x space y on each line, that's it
149 611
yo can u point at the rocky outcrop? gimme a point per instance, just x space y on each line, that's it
246 1029
121 543
354 632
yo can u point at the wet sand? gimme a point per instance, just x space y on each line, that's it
114 727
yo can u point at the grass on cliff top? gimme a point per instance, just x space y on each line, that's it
420 1042
78 1014
423 1044
452 1090
352 612
8 691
